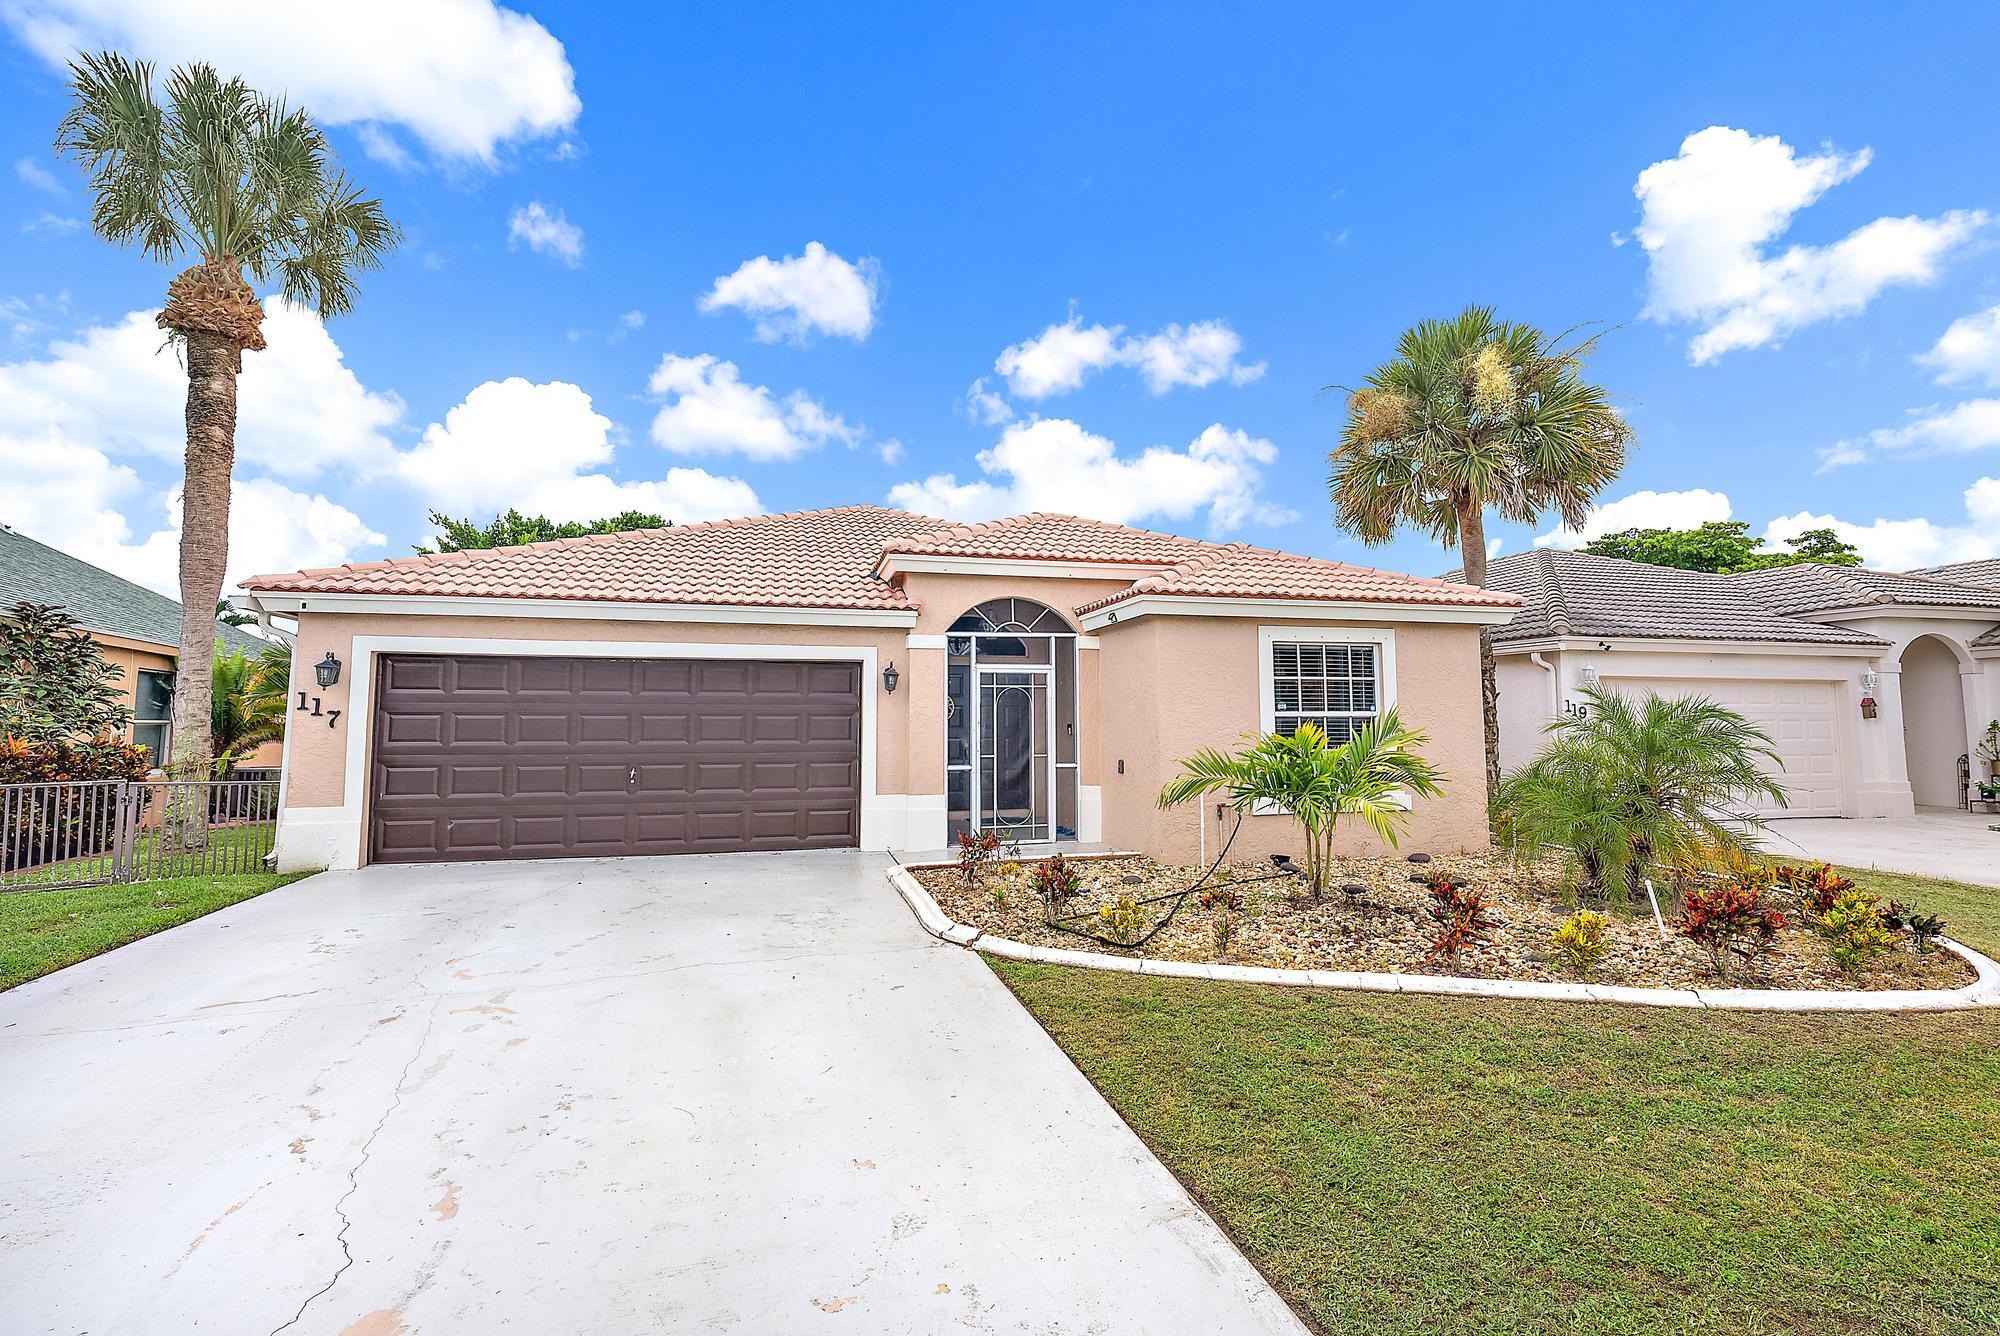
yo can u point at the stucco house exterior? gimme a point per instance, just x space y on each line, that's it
849 677
136 630
1798 649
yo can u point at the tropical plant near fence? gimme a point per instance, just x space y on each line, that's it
248 703
54 681
1657 780
1372 777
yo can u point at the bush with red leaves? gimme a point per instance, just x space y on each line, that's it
1730 918
1460 911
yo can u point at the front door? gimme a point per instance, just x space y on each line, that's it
1014 721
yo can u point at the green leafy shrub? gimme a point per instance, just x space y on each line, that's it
1855 928
1730 918
1580 940
1123 919
64 822
54 682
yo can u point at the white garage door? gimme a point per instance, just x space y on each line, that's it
1799 716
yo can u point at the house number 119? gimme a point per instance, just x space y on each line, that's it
315 711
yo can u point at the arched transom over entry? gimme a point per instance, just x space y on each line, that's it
1011 722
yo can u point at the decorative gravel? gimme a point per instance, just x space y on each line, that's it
1385 928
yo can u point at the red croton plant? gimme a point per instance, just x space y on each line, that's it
1730 918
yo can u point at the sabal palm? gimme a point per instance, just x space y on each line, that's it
245 710
1475 414
1372 775
1659 779
241 184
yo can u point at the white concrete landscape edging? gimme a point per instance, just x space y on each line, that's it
1981 992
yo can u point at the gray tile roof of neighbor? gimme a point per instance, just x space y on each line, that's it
1984 573
1810 587
1577 594
99 600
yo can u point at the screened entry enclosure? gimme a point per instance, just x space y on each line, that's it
1010 722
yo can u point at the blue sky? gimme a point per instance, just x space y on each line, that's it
1217 214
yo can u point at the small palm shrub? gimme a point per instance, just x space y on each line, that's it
1372 775
1855 928
1730 918
1580 941
1630 783
1459 911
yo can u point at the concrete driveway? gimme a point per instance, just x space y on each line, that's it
718 1094
1936 842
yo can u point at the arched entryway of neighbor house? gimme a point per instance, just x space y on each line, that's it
1934 734
1011 722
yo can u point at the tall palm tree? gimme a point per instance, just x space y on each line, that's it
1475 414
1372 775
240 184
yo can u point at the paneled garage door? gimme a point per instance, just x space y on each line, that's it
1799 716
492 757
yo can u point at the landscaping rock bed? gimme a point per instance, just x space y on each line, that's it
1386 928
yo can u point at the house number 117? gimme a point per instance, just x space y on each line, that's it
315 711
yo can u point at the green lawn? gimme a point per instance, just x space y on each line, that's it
1409 1164
41 931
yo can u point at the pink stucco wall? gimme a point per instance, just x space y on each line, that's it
1177 684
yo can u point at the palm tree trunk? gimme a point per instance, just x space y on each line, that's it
213 361
1472 552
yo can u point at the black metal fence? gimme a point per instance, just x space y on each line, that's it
101 832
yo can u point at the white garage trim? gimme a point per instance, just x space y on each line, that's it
317 837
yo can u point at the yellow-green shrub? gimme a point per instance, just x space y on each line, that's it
1580 939
1854 928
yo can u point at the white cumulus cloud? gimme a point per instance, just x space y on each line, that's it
710 409
40 177
802 295
545 231
122 389
1710 215
1969 351
1960 429
1054 464
1899 545
985 406
543 448
1643 510
1062 357
463 77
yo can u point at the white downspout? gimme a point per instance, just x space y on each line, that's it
1555 682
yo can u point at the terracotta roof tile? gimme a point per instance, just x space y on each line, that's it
810 559
1241 571
831 559
1046 536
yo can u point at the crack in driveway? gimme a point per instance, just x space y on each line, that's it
354 1174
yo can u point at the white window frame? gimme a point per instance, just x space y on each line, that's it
1383 638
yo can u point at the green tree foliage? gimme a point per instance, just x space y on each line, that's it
248 703
1631 783
1722 546
513 529
1475 414
1372 776
54 683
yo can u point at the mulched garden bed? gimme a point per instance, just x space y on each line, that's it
1387 929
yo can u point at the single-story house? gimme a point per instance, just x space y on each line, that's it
1873 684
137 630
849 677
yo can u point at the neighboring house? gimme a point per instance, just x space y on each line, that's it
849 677
1797 649
137 630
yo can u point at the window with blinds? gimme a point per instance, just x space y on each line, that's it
1337 687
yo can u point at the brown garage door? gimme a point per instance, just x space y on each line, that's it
491 757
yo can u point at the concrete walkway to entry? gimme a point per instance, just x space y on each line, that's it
1936 842
739 1093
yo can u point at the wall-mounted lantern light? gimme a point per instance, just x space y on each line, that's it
327 670
1590 674
890 677
1869 681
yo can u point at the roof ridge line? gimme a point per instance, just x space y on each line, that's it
1554 600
